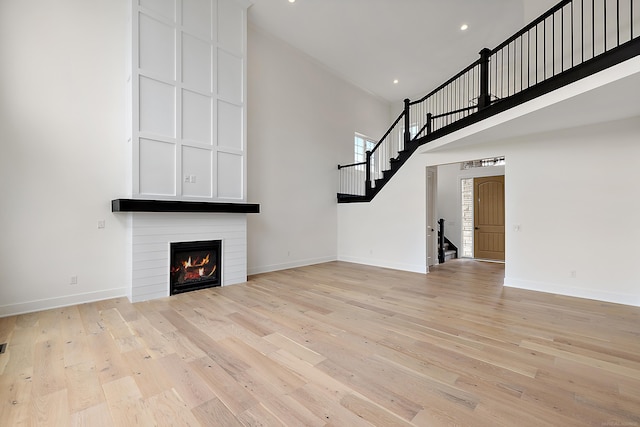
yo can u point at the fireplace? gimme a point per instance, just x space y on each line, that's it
194 265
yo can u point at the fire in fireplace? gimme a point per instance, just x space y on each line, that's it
194 265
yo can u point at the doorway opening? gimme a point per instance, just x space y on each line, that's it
456 201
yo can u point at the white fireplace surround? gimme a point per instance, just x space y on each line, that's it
151 233
187 92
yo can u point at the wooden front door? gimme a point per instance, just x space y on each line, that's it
489 217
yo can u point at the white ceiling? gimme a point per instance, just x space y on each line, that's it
372 42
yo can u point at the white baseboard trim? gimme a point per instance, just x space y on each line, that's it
286 265
385 264
552 288
49 303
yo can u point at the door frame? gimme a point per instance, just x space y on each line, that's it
431 217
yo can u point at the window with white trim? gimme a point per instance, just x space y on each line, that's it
466 191
362 144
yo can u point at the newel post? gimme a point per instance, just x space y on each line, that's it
484 100
367 177
441 241
407 124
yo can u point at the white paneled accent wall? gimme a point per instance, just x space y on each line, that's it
187 133
152 233
188 97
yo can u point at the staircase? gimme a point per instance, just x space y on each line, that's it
572 40
395 163
449 253
446 249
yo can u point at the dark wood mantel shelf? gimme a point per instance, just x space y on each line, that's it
144 205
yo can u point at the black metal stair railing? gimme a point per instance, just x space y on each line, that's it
574 37
358 179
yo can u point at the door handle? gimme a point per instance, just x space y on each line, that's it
477 228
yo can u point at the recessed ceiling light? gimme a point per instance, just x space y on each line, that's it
395 82
463 27
292 1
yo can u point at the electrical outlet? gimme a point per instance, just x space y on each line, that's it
101 223
573 274
74 280
187 178
192 179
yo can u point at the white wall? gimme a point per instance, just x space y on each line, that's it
301 124
65 155
574 195
572 192
389 231
62 120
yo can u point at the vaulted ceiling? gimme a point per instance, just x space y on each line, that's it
371 43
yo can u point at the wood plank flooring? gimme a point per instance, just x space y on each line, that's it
334 344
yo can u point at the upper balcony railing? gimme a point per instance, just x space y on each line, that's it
572 34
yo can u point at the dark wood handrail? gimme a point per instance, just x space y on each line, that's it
448 82
533 24
448 113
388 132
351 165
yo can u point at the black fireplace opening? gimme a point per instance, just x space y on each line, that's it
194 265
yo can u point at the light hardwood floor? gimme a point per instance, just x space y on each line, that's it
333 344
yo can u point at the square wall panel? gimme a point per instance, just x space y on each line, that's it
157 167
196 17
197 172
231 25
166 8
229 125
230 76
196 63
196 117
157 107
229 176
156 53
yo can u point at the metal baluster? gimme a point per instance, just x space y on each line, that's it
456 98
553 44
581 31
521 62
593 28
515 68
544 48
617 22
572 31
561 39
509 70
604 24
536 47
